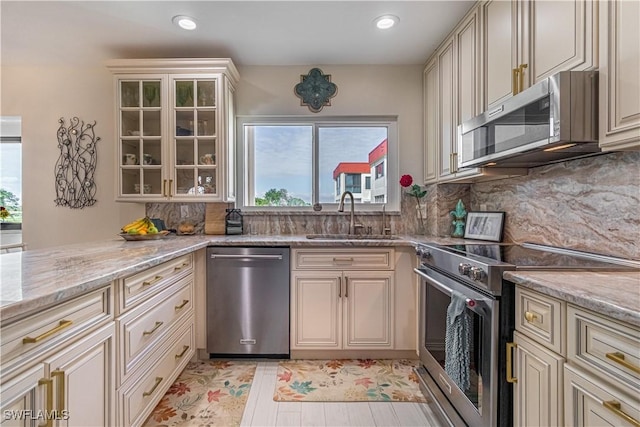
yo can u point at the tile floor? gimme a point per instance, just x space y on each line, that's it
261 410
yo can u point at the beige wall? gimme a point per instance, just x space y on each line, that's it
363 90
41 98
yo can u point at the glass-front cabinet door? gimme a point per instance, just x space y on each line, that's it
140 137
194 137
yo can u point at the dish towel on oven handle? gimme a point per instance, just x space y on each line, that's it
457 341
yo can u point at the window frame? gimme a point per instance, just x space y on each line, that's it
243 159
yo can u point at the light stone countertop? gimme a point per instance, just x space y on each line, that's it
613 294
36 279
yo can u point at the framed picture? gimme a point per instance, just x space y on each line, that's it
484 226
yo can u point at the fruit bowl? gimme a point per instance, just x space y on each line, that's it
148 236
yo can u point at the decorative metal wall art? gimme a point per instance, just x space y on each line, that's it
315 90
76 165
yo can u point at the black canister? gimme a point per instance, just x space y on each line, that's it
233 221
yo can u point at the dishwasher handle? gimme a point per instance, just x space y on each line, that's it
238 256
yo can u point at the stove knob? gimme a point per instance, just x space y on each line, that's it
476 273
464 269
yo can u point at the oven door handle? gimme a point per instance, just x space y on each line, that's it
477 305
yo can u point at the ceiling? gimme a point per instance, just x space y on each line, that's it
249 32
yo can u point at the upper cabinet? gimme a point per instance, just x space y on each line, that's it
523 43
174 129
619 75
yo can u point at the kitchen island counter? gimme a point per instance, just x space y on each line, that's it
613 294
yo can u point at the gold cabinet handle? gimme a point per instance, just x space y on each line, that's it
61 389
530 316
454 162
338 259
180 267
346 287
170 185
339 287
184 302
514 80
619 359
450 162
164 188
614 407
63 324
152 281
183 352
48 383
521 69
155 328
155 386
510 347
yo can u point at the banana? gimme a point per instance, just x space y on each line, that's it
137 225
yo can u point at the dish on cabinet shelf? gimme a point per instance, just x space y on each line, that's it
153 236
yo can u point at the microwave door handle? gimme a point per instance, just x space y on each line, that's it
477 305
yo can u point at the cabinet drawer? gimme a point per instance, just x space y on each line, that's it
48 328
541 318
343 259
590 401
604 346
139 287
145 326
138 398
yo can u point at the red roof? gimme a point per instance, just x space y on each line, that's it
378 152
351 167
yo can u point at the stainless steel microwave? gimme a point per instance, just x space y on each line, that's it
556 119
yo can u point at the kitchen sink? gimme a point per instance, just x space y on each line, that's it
352 236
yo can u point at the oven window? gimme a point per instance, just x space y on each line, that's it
468 377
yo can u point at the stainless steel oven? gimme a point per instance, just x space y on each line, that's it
467 379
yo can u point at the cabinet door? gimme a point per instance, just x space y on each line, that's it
316 303
551 48
368 309
500 50
141 152
431 117
447 104
589 401
84 380
619 71
229 147
537 394
19 397
194 138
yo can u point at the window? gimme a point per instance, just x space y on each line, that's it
380 170
295 163
11 182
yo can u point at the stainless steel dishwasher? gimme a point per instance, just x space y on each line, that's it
248 301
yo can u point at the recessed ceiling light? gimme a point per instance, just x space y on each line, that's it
184 22
386 21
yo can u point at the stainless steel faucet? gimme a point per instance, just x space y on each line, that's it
385 229
352 224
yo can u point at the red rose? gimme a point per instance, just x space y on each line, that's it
406 180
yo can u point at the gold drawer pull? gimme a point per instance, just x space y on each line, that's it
182 353
152 281
336 259
155 328
614 407
619 358
529 316
514 80
63 324
510 377
184 302
155 386
48 383
61 389
186 264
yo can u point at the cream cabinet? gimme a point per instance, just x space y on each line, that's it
619 73
342 299
539 359
174 129
523 45
58 365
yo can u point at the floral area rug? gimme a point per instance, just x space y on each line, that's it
207 393
348 380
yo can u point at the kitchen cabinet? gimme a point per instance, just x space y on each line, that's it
59 364
619 124
174 129
342 299
523 44
539 360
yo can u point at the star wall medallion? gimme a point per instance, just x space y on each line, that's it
315 90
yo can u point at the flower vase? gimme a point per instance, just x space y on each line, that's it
421 215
